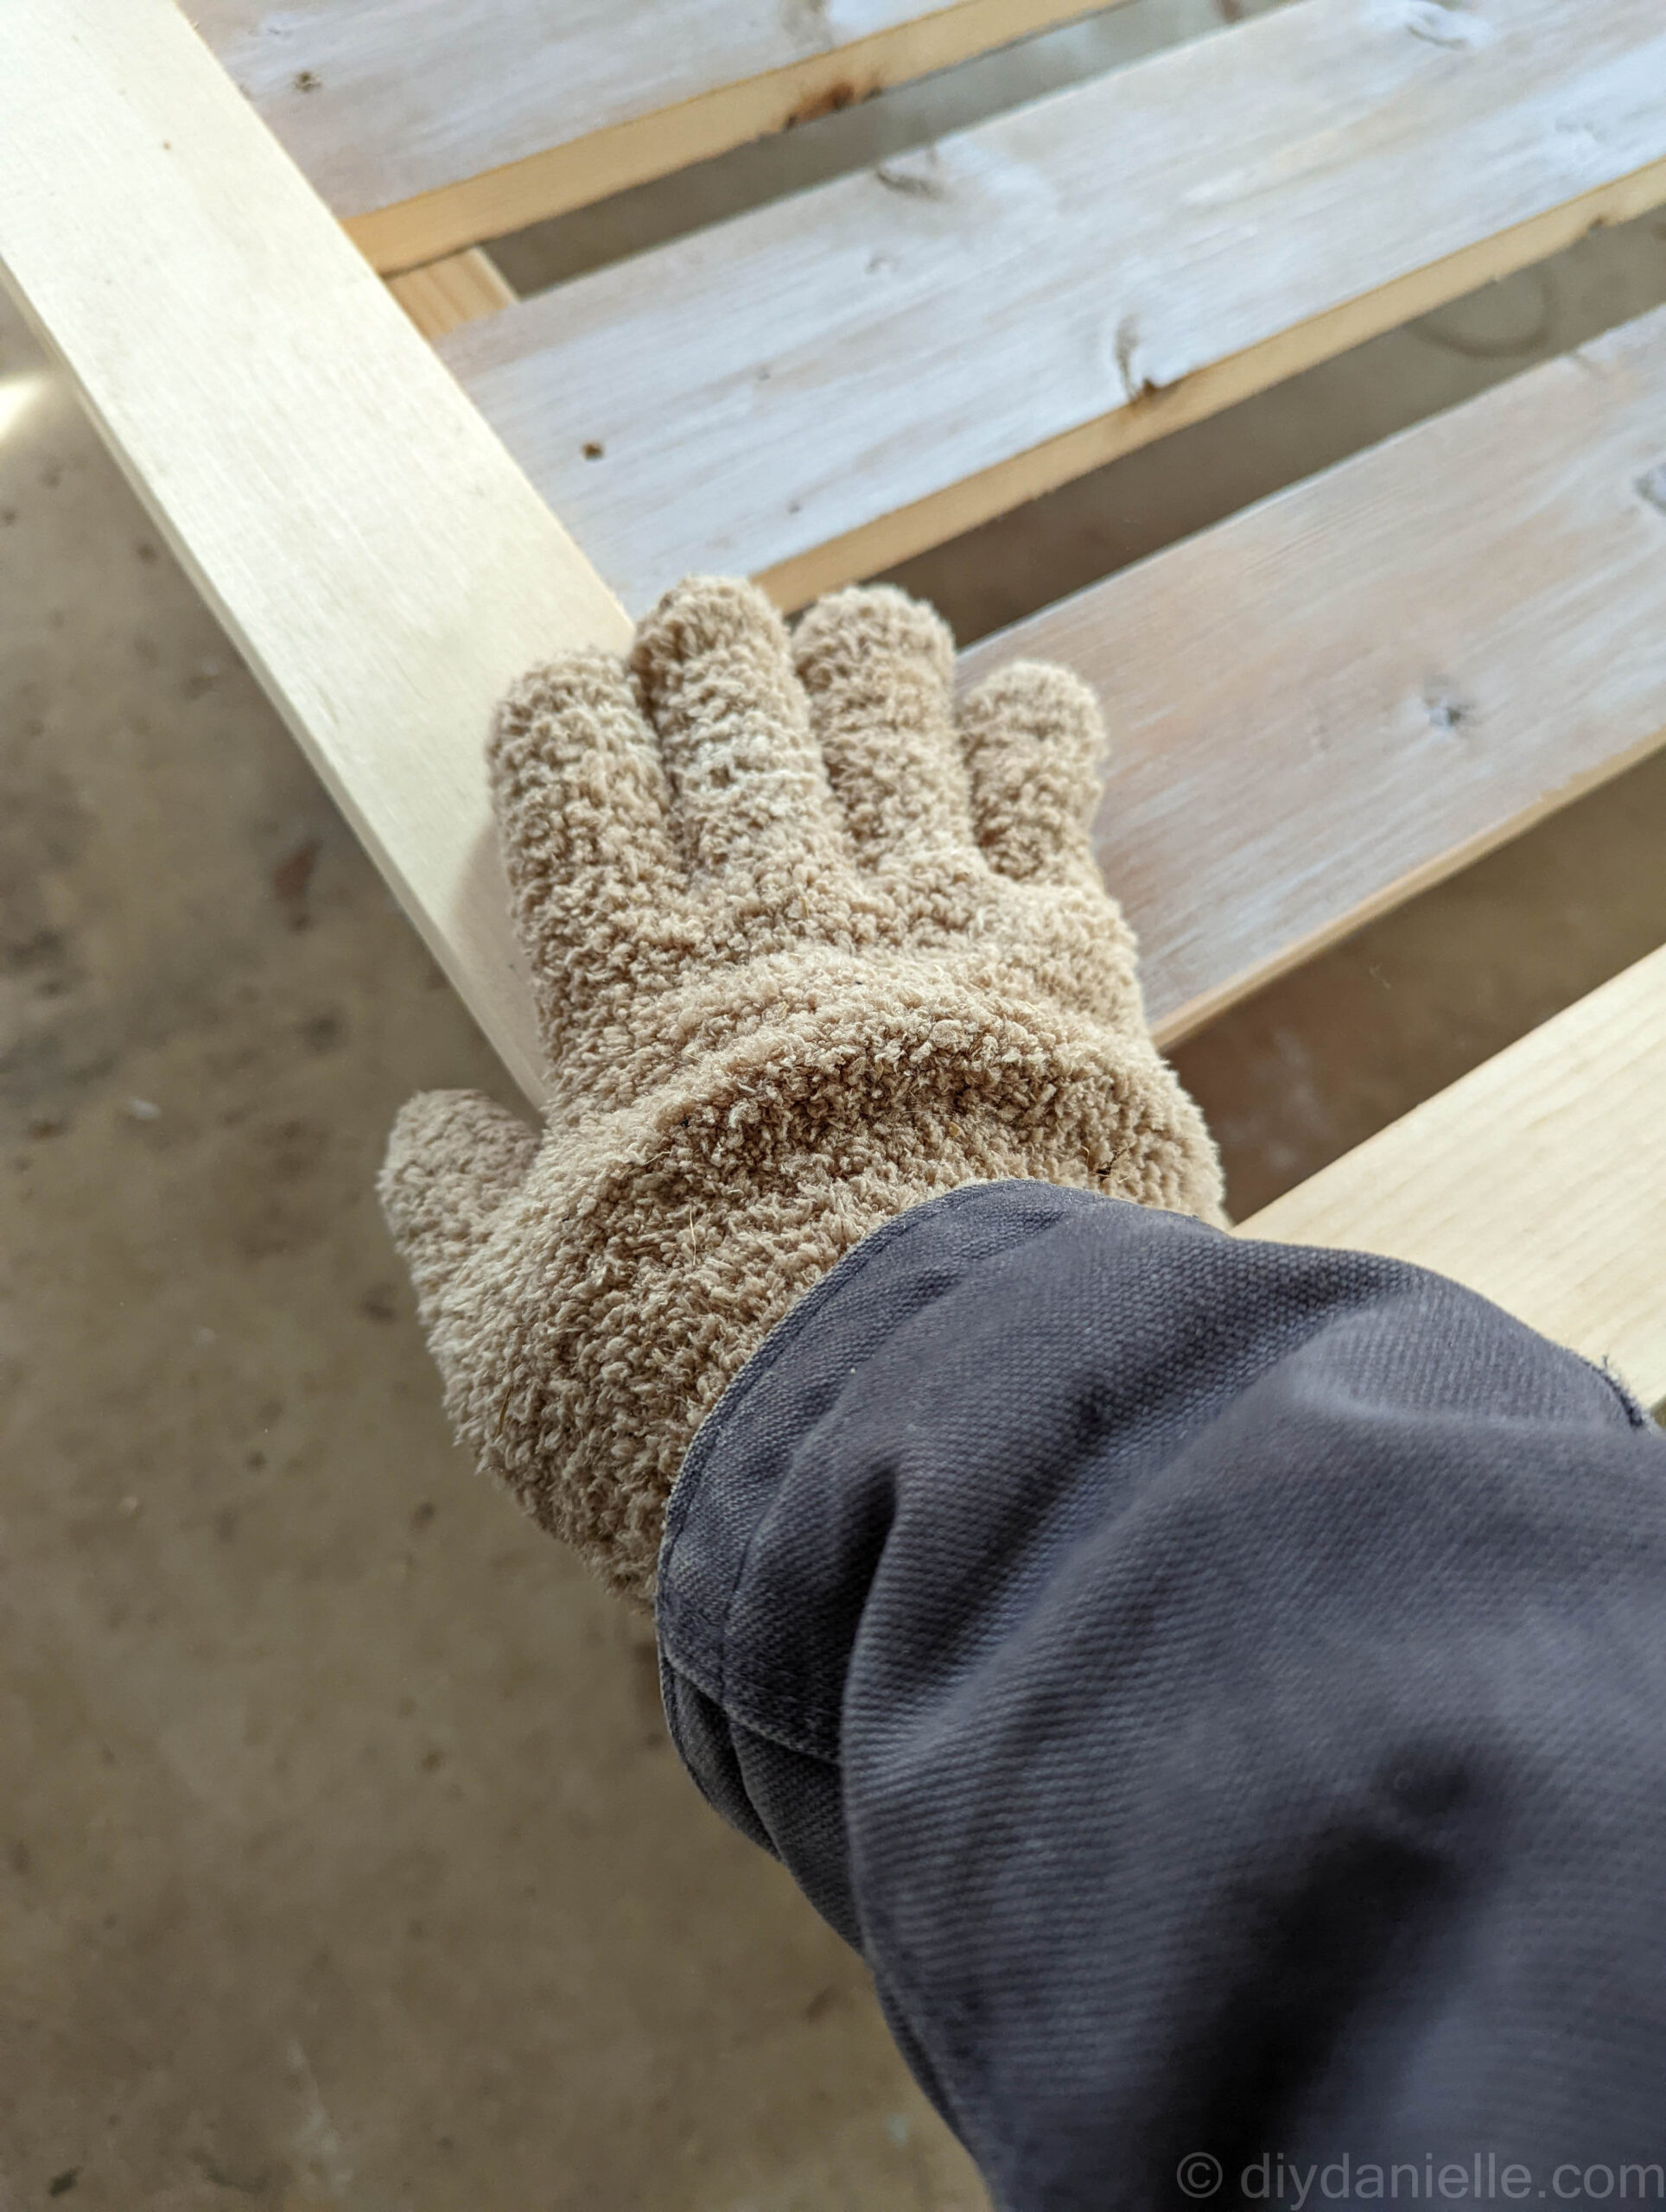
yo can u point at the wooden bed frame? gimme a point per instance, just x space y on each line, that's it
1324 704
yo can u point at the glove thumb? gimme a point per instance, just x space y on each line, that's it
454 1158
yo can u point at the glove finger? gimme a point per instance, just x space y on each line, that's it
877 667
583 819
1034 743
715 670
454 1158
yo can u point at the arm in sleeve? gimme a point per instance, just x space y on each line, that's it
1220 1688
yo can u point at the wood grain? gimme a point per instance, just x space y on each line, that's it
1539 1179
429 123
823 386
380 560
1329 702
1319 705
442 296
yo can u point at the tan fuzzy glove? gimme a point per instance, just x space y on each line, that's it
809 947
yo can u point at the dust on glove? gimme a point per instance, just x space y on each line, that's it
809 947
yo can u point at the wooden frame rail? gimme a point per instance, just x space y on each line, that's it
380 561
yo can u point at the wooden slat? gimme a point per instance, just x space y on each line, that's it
1327 703
442 296
378 558
823 386
429 123
1539 1179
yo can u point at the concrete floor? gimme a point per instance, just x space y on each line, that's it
343 1860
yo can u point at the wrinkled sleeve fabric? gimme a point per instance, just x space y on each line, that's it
1219 1687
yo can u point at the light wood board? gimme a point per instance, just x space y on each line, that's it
430 124
1539 1179
1324 704
823 386
377 558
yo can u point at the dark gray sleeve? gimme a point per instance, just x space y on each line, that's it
1221 1690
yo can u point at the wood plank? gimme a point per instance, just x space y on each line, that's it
823 386
1329 702
380 560
442 296
429 123
1539 1179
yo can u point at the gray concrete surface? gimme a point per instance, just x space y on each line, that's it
343 1861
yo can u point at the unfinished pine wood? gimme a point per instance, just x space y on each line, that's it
1539 1179
444 294
1325 704
429 123
1320 705
822 387
380 561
